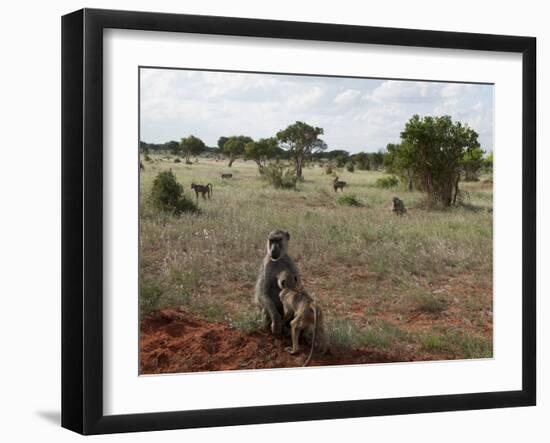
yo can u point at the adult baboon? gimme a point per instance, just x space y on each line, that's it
227 175
267 288
203 189
399 206
338 184
303 312
141 167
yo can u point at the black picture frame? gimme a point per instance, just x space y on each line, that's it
82 218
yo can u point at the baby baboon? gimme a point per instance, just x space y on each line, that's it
399 206
267 288
203 189
338 184
303 311
228 175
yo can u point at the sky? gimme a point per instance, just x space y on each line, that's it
356 114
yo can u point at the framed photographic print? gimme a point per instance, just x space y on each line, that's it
255 209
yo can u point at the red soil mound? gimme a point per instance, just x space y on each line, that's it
172 341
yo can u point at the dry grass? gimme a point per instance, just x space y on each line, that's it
419 284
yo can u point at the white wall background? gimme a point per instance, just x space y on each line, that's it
30 218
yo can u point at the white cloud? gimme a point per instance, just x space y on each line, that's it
348 96
455 89
400 91
305 98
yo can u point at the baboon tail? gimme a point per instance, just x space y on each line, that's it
210 185
308 359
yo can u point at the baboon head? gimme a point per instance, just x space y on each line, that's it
287 280
395 201
277 244
192 185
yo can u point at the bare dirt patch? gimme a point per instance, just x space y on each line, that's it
173 341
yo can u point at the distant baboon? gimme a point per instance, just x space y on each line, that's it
267 288
399 206
303 312
338 184
141 167
203 189
227 175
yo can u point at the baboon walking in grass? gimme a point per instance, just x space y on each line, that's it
303 312
337 184
267 290
203 189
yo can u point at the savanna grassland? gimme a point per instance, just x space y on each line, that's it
417 287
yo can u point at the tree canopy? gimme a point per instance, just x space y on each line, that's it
301 140
472 162
233 147
432 152
261 151
221 142
191 146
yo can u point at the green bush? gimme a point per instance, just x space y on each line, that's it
167 195
147 158
149 296
427 302
340 161
280 177
349 200
387 182
350 167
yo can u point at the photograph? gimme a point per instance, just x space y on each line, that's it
290 220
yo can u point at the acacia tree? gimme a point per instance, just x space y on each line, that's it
191 146
301 140
362 161
221 142
472 162
261 151
434 148
399 159
233 147
488 162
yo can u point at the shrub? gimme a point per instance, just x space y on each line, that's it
329 168
167 195
350 167
429 303
387 182
149 296
177 160
280 177
147 158
349 200
340 161
436 151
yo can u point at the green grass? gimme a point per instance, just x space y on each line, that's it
349 200
430 303
246 320
387 182
208 263
380 335
457 343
